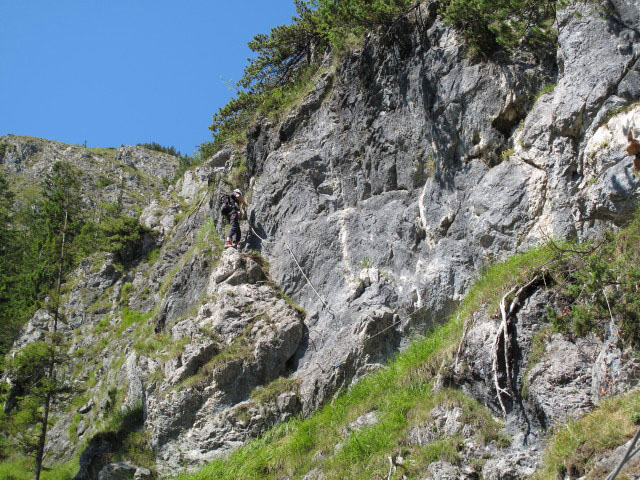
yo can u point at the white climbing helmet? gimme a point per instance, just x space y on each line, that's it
237 191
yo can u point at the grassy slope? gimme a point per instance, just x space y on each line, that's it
575 447
402 396
402 393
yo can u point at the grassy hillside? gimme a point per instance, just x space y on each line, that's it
402 394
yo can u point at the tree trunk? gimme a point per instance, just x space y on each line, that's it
51 374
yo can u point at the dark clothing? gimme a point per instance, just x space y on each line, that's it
234 231
234 220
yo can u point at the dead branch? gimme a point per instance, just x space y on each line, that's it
503 339
465 330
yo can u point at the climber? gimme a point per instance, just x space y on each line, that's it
633 149
234 207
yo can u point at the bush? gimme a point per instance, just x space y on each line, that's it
104 182
124 236
3 149
600 283
489 24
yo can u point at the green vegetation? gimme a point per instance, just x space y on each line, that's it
104 181
123 236
131 317
598 284
487 25
506 154
20 469
402 395
3 148
549 87
31 237
156 147
575 447
31 252
288 58
25 417
43 239
270 392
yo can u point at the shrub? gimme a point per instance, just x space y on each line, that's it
124 236
104 182
487 25
599 283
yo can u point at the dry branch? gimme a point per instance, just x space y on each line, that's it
503 339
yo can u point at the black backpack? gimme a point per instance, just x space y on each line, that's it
227 204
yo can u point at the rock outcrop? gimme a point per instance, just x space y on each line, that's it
242 337
376 200
428 166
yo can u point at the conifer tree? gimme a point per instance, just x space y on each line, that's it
51 225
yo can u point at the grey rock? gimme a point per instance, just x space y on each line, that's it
117 471
140 158
509 467
220 158
28 159
85 409
445 423
380 195
616 369
446 471
315 474
365 420
397 166
242 337
560 385
143 473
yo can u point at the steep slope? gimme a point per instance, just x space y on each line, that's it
375 202
427 166
130 176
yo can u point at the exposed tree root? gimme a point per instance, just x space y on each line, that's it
503 342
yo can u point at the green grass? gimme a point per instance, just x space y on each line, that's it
506 154
548 88
131 317
401 394
22 469
270 392
575 446
445 449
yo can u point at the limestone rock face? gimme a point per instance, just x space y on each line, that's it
158 164
427 166
375 201
243 336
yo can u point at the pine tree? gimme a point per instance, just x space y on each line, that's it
48 229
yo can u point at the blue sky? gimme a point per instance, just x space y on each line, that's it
124 71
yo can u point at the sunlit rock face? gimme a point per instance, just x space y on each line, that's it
375 201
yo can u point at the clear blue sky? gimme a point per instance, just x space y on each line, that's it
115 72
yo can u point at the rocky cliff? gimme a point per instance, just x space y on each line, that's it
375 201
